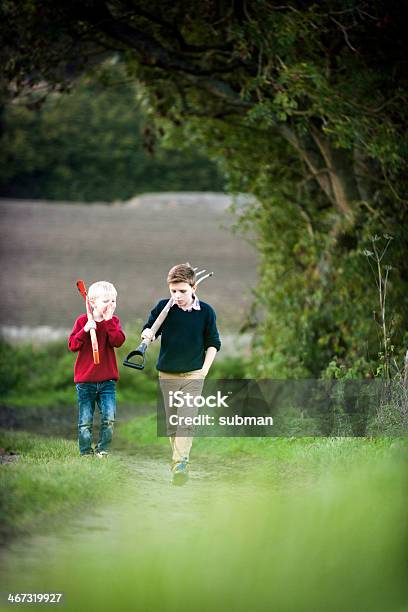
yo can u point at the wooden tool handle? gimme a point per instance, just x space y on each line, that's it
162 316
95 347
94 341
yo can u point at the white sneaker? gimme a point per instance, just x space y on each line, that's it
101 454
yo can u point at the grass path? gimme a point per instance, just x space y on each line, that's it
267 524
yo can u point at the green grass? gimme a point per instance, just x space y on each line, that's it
332 536
286 524
278 456
49 478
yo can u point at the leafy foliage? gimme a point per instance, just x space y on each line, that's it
93 144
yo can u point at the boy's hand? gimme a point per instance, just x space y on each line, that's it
89 325
108 312
147 334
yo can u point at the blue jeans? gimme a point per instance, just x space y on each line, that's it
104 393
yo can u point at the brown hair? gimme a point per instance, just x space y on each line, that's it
182 273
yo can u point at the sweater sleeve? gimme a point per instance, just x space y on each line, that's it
211 335
116 335
78 335
153 316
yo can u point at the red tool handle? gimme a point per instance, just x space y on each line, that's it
94 341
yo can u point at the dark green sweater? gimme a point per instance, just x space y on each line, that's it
185 336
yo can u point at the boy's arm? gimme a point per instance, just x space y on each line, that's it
212 342
78 335
209 358
116 335
153 316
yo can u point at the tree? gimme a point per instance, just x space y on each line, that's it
92 145
313 93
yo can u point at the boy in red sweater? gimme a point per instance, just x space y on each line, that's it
97 382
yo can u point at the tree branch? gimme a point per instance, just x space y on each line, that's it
152 52
171 29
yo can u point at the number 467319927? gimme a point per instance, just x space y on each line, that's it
16 598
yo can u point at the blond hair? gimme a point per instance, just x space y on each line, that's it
100 289
182 273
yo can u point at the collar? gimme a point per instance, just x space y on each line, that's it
194 306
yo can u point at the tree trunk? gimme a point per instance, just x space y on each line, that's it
333 169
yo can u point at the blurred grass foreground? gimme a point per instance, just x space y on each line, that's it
283 524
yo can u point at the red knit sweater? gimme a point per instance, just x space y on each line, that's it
109 335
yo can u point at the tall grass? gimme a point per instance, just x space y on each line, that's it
49 478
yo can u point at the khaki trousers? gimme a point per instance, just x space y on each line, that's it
180 435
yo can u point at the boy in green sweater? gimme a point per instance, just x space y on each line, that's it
189 344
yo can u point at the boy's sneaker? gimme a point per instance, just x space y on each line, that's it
101 454
180 472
